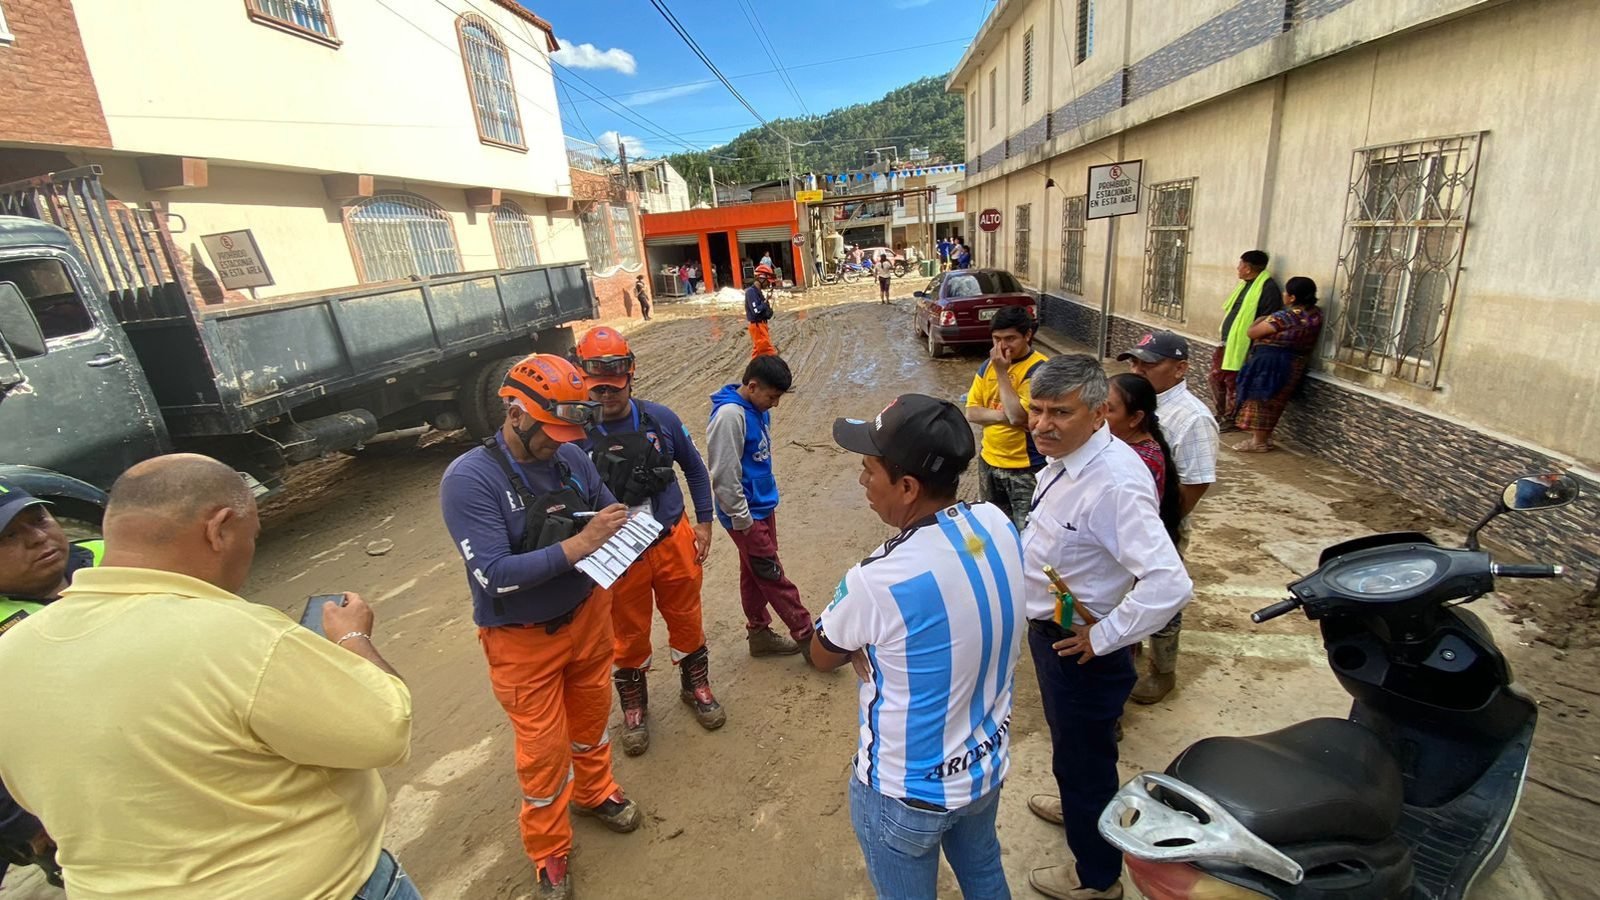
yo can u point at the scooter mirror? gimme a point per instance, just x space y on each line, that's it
1540 492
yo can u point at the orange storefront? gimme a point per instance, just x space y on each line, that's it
724 241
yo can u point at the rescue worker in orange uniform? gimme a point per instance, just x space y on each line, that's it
522 510
758 312
634 446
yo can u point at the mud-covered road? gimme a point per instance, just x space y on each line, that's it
758 808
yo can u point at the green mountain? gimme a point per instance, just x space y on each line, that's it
920 115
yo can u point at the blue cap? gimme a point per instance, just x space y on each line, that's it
14 500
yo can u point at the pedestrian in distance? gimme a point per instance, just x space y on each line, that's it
185 742
997 402
758 312
634 445
962 254
1162 357
522 510
642 294
1095 521
692 275
685 280
1255 295
1280 351
766 258
739 454
945 246
885 272
934 633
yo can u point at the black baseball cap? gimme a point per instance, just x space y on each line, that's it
1156 346
927 437
15 500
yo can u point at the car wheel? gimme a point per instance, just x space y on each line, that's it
935 349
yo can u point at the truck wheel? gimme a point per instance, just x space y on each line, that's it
478 398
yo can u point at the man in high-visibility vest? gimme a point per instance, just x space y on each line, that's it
1256 295
36 564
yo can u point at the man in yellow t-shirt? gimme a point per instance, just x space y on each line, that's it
187 743
1008 461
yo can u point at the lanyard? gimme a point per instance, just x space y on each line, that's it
1040 499
633 413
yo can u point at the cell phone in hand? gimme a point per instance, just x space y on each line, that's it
312 617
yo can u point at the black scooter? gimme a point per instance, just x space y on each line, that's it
1412 796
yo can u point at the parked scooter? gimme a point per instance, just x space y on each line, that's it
1412 796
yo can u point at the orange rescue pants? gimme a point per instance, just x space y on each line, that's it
669 571
761 340
556 688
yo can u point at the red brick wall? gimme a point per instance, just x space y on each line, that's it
47 95
611 289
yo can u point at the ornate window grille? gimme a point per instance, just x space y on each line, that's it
311 17
514 245
399 235
494 96
1072 230
1166 250
1022 234
1405 226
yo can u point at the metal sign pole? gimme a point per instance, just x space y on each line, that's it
1105 286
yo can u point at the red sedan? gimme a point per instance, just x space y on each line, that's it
956 307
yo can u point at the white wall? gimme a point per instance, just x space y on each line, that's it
200 78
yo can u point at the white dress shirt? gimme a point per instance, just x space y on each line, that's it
1191 432
1096 521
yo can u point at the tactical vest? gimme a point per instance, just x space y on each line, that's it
630 462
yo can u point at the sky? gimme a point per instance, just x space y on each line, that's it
663 99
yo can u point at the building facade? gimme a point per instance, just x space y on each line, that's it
358 142
659 186
607 209
724 243
1411 156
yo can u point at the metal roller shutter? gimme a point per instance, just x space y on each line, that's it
775 233
677 240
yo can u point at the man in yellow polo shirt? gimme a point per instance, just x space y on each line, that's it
998 401
187 743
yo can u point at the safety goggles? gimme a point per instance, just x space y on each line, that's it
575 412
607 365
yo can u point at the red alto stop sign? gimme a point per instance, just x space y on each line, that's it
989 219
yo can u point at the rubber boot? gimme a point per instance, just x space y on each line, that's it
694 671
634 692
1155 685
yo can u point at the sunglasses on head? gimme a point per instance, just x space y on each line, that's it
607 365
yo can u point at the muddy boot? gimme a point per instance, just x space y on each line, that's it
695 672
634 691
616 812
1155 685
551 881
766 642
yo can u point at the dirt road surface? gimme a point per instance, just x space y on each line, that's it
758 808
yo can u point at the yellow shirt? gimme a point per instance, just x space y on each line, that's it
1006 446
180 742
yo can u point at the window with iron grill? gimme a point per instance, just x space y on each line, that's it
1021 234
596 222
1072 229
972 117
1027 67
994 95
399 235
309 16
494 96
1166 252
1085 29
514 245
1405 225
622 237
991 257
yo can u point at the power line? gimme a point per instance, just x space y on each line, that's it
765 41
677 26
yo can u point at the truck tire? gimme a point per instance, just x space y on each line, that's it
478 398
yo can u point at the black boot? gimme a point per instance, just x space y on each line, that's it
695 672
634 692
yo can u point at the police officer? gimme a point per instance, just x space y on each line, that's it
522 510
36 565
634 446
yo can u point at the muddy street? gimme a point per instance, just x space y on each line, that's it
759 807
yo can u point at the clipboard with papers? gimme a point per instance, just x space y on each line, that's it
607 564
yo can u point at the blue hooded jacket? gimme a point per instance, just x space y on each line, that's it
744 431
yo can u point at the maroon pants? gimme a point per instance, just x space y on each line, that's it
763 584
1224 387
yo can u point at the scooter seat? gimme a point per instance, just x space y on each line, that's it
1318 780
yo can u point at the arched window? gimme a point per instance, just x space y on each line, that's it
513 236
398 235
494 96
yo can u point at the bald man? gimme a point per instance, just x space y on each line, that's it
187 743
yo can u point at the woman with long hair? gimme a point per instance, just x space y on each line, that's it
1280 352
1131 413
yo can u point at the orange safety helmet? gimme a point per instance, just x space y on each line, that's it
766 272
604 358
550 390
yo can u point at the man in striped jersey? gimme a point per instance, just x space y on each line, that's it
932 622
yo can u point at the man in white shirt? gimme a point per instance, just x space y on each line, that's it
1163 358
933 622
1096 522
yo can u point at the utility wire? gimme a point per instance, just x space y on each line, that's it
765 41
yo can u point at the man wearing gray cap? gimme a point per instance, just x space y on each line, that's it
932 621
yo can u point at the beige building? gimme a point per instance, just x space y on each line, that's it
358 141
1414 157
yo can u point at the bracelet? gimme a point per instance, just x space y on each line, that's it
353 634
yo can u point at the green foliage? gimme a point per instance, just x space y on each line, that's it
921 114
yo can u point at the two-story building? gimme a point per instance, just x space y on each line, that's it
1413 157
357 142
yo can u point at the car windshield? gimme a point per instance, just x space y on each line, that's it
976 284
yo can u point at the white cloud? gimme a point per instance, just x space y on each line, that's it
610 140
588 56
640 98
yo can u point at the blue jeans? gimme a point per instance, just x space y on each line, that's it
388 881
902 843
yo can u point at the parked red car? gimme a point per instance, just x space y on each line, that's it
956 307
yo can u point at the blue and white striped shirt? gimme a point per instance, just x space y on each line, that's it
939 612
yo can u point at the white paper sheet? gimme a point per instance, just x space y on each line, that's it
607 564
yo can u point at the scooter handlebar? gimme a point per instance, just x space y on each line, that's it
1536 571
1275 610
